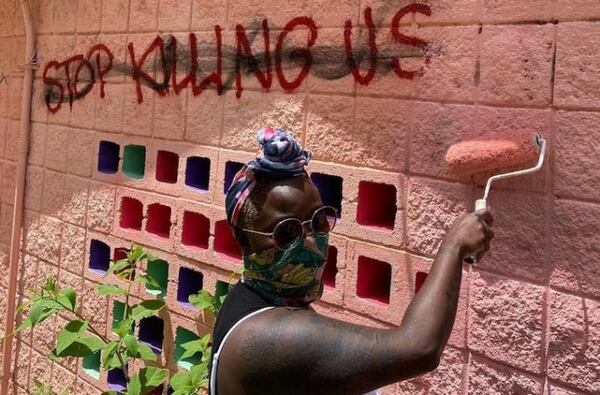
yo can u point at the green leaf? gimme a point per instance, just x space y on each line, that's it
81 348
124 274
72 343
131 343
51 286
147 380
203 301
147 280
152 377
110 393
136 253
135 386
146 353
110 290
135 349
179 380
25 324
193 347
197 374
109 356
70 333
23 306
35 312
146 309
117 266
39 311
67 298
123 327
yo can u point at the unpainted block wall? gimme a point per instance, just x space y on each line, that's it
142 152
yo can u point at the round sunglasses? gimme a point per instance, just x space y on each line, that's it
289 230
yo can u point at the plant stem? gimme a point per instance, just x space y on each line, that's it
105 340
125 311
91 328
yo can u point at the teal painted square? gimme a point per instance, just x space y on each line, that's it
134 161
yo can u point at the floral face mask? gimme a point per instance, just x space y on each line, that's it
291 277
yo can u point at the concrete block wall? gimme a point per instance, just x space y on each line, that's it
125 157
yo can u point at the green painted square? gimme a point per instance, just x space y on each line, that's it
91 365
159 270
183 336
221 289
134 161
117 314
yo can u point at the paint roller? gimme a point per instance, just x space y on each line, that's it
493 152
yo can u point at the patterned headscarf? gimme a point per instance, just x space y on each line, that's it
281 156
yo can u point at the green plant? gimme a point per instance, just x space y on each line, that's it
81 339
44 389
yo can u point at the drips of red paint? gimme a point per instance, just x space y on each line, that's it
99 61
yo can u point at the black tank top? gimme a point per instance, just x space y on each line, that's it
240 302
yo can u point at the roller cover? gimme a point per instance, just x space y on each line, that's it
492 151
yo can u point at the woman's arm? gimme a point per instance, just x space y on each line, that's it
301 352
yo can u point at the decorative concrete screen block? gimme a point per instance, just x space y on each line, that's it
132 213
374 280
330 188
197 172
99 256
159 220
108 157
183 336
376 204
196 230
116 380
420 278
190 283
158 269
91 365
167 167
330 267
151 333
231 168
134 161
225 243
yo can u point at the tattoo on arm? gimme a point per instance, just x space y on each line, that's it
312 354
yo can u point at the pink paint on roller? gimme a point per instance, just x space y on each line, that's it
492 151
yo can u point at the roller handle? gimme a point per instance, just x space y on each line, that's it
480 204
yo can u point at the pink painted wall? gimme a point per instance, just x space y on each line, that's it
529 317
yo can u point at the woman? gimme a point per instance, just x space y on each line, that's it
267 340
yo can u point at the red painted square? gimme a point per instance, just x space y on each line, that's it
225 243
196 230
167 167
132 213
374 280
330 268
376 204
159 220
118 254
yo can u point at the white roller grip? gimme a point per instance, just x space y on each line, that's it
480 204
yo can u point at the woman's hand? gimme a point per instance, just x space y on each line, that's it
471 233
